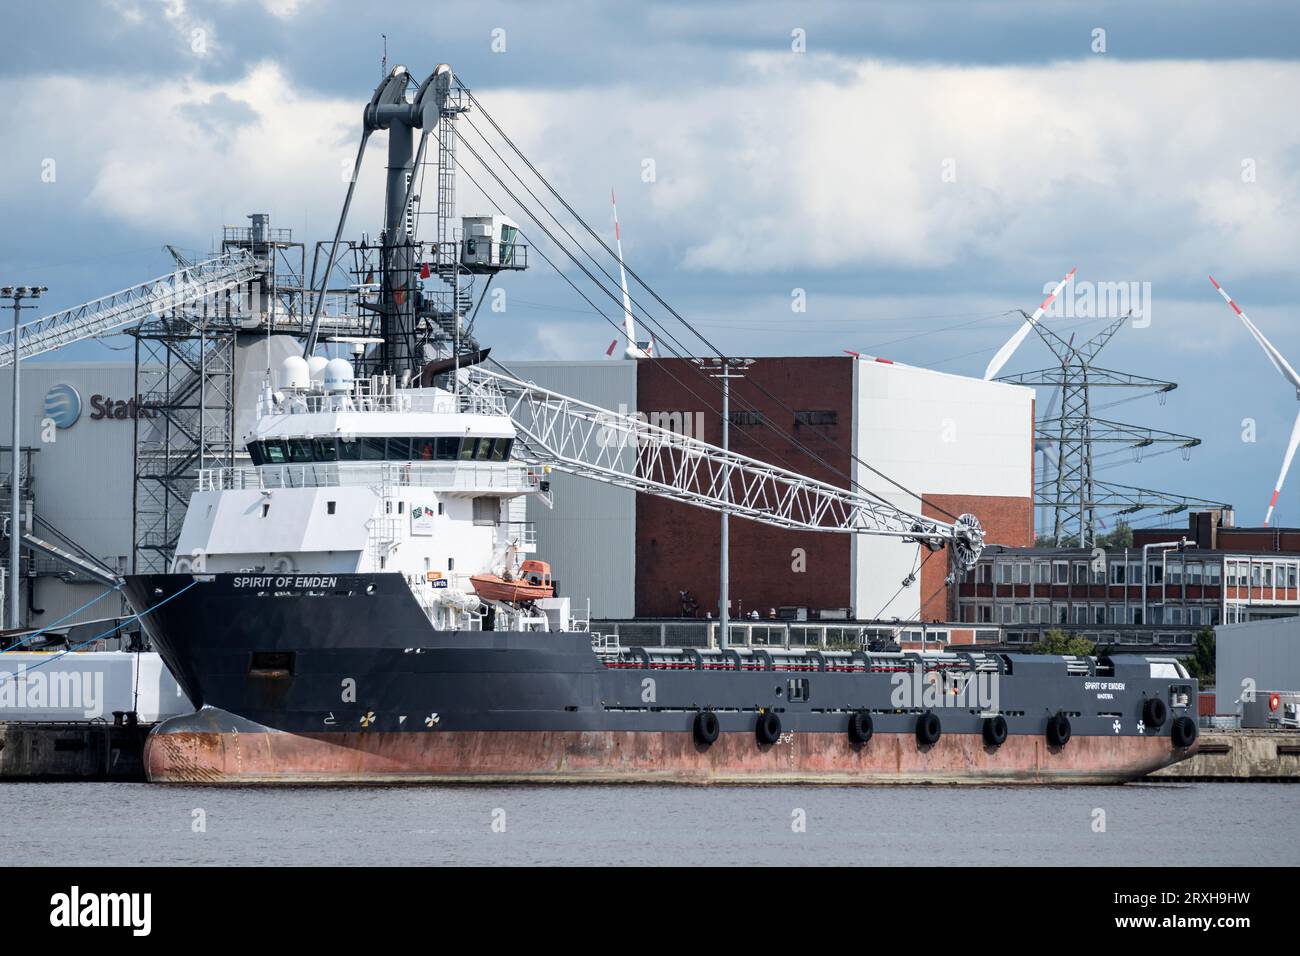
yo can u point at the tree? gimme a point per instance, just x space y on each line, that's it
1121 537
1057 641
1201 662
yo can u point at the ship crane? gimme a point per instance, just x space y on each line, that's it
129 306
575 437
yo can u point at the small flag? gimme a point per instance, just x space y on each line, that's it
424 270
612 345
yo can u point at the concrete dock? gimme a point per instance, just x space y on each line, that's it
1241 755
82 750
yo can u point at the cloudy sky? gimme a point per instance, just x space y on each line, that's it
919 169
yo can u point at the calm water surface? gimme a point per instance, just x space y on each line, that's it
1167 823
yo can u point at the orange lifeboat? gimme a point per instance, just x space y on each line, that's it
533 583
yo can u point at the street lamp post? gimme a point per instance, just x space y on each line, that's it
1181 545
15 295
725 369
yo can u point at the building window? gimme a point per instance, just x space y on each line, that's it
1155 574
329 507
1080 572
817 417
1117 573
1042 572
982 573
985 614
1194 574
742 419
1175 572
1004 574
1022 572
1099 614
1213 574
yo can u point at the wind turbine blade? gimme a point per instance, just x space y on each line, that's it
1048 414
1286 466
629 328
1013 343
1273 354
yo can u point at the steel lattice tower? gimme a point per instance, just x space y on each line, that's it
1069 491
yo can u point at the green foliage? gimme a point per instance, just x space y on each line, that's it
1201 662
1120 537
1057 641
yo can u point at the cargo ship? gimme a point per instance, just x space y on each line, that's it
360 603
322 615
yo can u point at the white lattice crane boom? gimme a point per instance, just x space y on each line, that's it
129 306
592 442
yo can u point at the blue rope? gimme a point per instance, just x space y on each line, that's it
133 617
55 624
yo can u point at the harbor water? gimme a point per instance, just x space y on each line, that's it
124 824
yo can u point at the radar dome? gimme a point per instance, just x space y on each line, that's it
316 368
294 373
338 375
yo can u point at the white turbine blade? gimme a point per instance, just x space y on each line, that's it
1049 413
1273 354
1286 465
629 328
1013 343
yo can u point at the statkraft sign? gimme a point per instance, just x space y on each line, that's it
104 408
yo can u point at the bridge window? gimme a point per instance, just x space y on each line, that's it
277 451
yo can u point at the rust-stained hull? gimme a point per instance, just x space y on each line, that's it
235 757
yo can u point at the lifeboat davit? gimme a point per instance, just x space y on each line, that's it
533 583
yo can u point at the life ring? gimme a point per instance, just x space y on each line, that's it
1184 732
768 728
1058 730
860 728
1154 713
928 728
706 727
995 730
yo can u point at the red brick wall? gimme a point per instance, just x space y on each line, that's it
677 544
1006 520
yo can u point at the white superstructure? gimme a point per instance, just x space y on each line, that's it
357 477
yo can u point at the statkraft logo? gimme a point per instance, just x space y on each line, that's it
63 405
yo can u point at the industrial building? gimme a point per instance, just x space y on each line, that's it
958 444
1163 590
955 444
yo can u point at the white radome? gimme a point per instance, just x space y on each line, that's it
295 374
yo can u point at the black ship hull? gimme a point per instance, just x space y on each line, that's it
341 678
